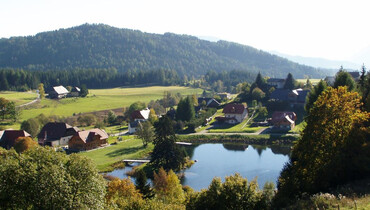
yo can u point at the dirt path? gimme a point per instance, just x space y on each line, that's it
32 102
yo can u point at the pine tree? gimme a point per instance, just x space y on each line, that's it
289 82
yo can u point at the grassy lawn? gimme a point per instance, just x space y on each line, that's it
298 128
129 148
235 128
18 97
103 99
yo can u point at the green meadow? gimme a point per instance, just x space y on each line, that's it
129 148
313 81
102 99
18 97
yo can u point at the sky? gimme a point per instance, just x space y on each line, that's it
331 29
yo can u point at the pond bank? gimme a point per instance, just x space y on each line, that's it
264 139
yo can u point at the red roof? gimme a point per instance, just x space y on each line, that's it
234 109
279 116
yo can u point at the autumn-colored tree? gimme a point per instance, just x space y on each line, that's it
24 143
334 147
153 116
41 90
167 187
122 194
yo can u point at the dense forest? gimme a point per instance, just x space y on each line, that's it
104 47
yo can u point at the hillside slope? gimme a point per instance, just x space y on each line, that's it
102 46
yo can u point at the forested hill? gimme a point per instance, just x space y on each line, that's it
103 47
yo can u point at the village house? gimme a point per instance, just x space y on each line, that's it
295 98
276 83
58 92
284 121
56 134
233 114
87 140
75 92
8 137
137 117
208 102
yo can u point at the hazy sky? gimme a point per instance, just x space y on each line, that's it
332 29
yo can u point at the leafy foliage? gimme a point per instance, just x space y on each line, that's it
235 193
167 187
343 78
41 178
337 137
24 143
314 94
145 132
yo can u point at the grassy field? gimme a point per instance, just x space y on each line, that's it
129 148
18 97
313 81
103 99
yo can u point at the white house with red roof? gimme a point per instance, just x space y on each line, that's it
137 117
233 113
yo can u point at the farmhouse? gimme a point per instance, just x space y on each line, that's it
89 139
75 92
8 137
296 98
283 120
276 83
233 113
56 134
58 92
208 102
136 117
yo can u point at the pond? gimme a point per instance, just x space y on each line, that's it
220 160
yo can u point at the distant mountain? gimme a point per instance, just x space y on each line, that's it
101 46
319 62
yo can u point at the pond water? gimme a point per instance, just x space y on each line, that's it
220 160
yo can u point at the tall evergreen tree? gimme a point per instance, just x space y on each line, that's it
289 82
314 94
166 152
4 85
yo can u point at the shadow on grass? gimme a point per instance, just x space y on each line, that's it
124 151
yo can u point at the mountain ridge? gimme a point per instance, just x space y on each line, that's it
99 46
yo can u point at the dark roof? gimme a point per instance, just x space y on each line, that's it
302 94
9 136
279 116
210 102
280 94
275 80
355 74
234 109
56 130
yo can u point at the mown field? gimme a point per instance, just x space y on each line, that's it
103 99
18 97
129 148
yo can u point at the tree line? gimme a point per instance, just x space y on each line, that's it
22 80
